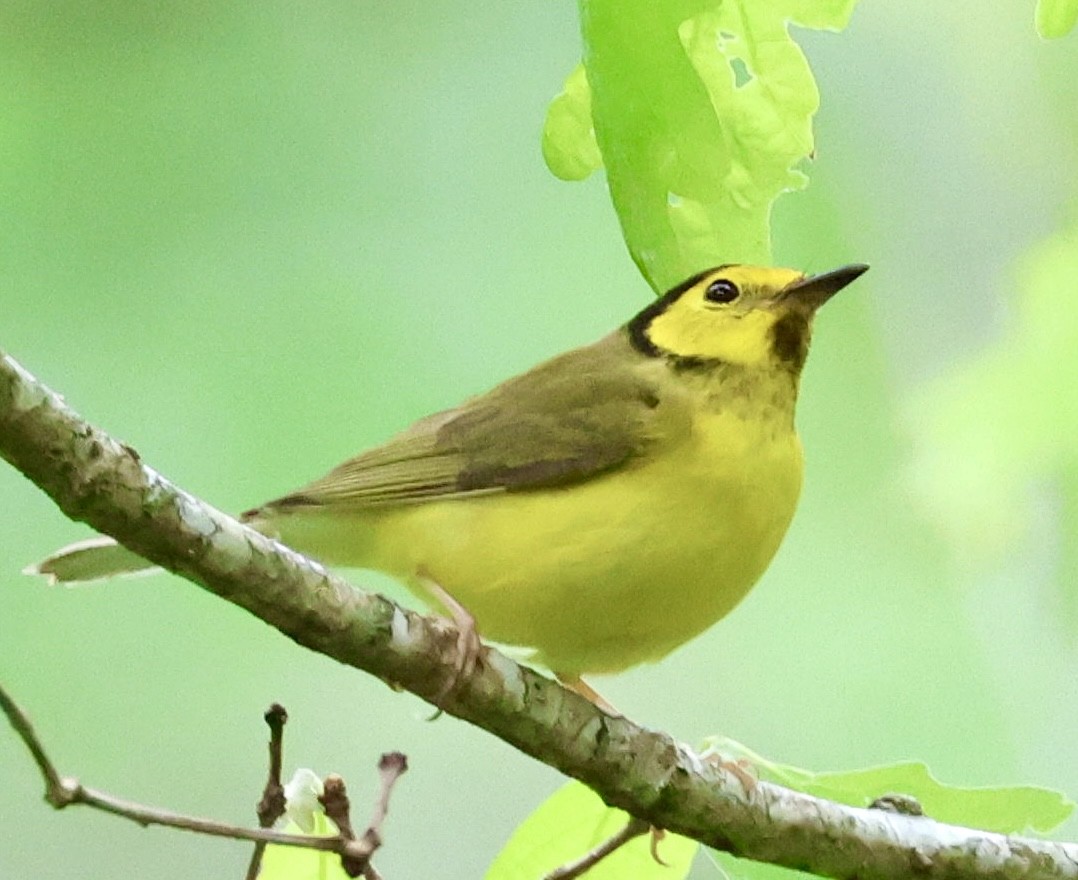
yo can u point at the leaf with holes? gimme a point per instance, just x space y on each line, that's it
701 111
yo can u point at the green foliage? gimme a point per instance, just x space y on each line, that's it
1056 18
294 863
1006 810
571 823
701 111
569 147
996 431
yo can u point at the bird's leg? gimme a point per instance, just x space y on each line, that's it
740 768
469 646
657 834
743 770
576 684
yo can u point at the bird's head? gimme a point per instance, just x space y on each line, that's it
751 316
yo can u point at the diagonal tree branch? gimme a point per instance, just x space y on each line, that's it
96 479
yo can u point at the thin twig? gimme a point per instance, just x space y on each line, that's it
272 805
334 800
391 766
633 828
65 791
54 786
255 865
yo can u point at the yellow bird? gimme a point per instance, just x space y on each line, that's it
600 509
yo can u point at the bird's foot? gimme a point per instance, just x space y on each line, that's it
741 769
576 684
657 834
469 645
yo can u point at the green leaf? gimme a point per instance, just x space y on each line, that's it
1006 810
295 863
571 823
569 147
1056 18
730 867
702 110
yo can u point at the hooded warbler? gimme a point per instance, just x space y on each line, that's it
600 509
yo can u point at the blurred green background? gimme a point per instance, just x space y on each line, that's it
252 239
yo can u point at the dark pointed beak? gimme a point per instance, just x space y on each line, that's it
812 292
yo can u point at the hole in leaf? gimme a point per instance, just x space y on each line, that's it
742 74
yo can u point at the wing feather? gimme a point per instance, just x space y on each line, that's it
583 413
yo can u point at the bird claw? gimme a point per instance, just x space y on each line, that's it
469 646
741 769
657 834
577 685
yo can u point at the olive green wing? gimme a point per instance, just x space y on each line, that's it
586 412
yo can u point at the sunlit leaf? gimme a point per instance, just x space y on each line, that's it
571 823
1056 18
702 111
569 147
730 867
1006 809
294 863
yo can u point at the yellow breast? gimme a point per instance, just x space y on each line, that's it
604 574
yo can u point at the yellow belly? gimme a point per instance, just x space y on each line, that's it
600 575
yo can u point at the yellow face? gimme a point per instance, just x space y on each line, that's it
729 314
748 316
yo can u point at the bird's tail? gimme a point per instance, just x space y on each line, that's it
90 560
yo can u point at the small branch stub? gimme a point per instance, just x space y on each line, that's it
356 855
272 804
356 859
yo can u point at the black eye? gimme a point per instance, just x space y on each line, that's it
721 291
